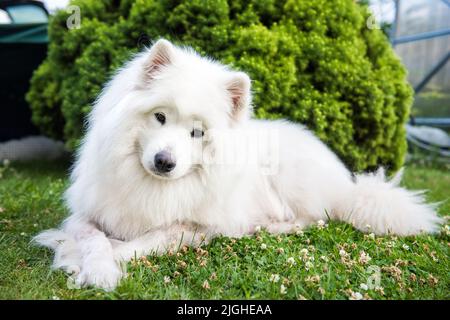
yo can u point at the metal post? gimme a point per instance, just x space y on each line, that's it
393 32
432 72
422 36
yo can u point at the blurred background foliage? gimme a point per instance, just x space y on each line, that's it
314 62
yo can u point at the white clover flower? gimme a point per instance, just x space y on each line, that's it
446 229
313 279
56 298
291 261
405 246
283 289
258 229
263 246
166 279
364 257
321 224
390 244
324 258
379 289
372 235
364 286
304 252
308 265
299 232
6 162
356 296
274 278
205 285
342 253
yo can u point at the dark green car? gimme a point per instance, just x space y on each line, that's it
23 46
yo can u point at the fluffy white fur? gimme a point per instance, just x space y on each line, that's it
121 206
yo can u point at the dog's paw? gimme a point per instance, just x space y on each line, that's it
72 269
104 274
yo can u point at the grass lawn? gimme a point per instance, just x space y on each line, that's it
329 262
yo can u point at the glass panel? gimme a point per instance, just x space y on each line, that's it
418 16
434 99
421 56
27 14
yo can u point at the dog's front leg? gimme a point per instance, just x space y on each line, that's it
98 267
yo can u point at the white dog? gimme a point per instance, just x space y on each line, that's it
157 168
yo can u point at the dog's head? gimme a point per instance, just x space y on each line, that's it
189 97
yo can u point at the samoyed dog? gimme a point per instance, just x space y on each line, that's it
172 157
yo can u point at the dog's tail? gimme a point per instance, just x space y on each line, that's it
67 253
381 206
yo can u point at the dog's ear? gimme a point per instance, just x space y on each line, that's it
238 87
160 55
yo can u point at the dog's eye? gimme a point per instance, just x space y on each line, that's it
197 133
161 117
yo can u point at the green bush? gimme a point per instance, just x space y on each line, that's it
314 62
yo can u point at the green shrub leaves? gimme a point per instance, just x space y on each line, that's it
314 62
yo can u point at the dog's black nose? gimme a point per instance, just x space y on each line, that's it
164 162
